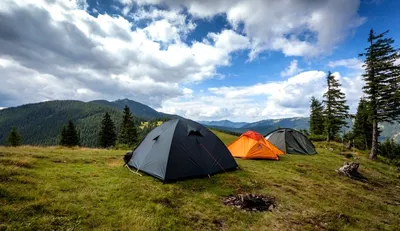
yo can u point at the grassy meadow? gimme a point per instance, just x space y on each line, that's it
54 188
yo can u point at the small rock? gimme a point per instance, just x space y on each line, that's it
330 149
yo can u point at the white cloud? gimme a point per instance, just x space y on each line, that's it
229 40
292 69
353 63
288 98
162 31
52 87
71 54
295 27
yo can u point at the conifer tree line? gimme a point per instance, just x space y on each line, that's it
381 101
329 116
69 135
14 139
107 136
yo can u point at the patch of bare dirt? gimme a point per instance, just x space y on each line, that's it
250 202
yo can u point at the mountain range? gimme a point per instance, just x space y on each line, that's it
262 126
388 130
40 123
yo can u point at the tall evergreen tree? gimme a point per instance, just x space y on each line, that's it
316 117
362 127
336 110
107 135
382 83
128 131
14 139
63 137
71 135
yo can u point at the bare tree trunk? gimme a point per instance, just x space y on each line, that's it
366 142
328 137
374 147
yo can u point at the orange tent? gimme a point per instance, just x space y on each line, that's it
252 145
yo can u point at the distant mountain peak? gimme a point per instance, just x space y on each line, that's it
124 100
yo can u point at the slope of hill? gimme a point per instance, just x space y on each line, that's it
226 138
40 123
89 189
138 109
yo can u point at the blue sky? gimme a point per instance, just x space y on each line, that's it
243 60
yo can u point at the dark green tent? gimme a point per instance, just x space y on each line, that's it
180 149
291 141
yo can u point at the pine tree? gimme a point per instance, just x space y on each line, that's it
14 139
362 128
71 135
107 135
63 137
336 110
316 117
381 83
128 134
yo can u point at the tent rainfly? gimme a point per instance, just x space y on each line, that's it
291 141
180 149
252 145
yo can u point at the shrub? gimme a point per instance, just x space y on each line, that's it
313 137
389 149
120 146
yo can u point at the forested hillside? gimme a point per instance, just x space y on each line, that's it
138 109
40 123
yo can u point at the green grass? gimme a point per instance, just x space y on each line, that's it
225 137
89 189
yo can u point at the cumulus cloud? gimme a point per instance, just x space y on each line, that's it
353 63
288 98
67 53
295 27
291 70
